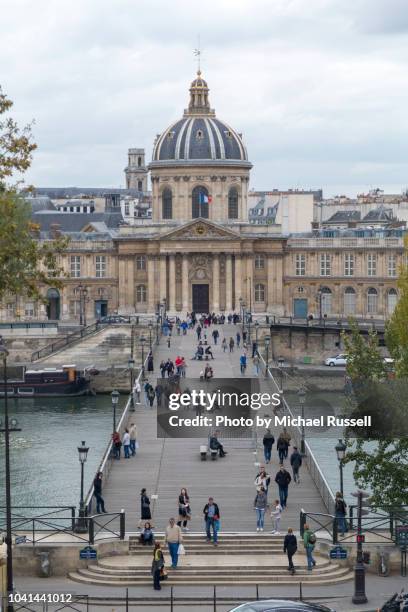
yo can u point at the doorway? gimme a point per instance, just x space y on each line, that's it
300 308
53 304
201 298
101 309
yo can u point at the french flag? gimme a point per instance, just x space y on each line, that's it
204 199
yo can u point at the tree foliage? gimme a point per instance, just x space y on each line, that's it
364 360
397 326
26 263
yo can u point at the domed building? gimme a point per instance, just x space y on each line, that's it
199 251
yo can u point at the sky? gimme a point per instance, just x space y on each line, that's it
318 88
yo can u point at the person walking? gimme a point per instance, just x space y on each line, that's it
255 362
243 363
238 337
309 541
340 508
212 520
174 538
198 332
117 444
262 479
126 444
137 390
260 503
133 438
254 348
100 503
151 394
296 462
276 514
224 344
281 447
215 335
290 548
145 513
163 368
157 566
283 479
184 509
286 436
150 362
267 442
231 344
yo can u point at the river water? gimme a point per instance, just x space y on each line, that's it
45 469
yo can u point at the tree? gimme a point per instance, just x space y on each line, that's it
26 263
397 327
380 464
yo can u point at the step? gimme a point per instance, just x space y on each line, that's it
194 571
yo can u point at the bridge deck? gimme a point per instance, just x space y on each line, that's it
163 466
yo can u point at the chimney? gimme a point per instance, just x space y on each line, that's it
55 230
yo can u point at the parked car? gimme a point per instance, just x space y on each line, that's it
337 360
281 605
112 319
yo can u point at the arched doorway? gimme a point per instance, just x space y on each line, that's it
392 299
54 304
199 206
349 301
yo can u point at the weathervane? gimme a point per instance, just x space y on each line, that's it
198 53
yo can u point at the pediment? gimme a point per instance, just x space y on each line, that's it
200 229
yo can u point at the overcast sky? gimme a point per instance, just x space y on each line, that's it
319 88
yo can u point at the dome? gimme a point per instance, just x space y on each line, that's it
199 137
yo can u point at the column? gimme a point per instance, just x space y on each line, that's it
150 284
238 281
279 281
172 283
184 284
250 289
228 283
163 278
215 284
271 284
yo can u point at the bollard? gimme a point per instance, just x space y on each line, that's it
91 530
257 592
73 518
215 598
122 525
302 522
335 530
171 600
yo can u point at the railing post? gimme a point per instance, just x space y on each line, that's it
171 599
351 516
335 530
215 598
302 522
91 530
73 518
122 525
392 524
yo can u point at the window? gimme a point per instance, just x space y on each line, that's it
233 203
348 264
349 301
371 264
29 309
325 264
74 308
300 269
259 262
326 300
139 162
259 293
139 186
140 262
199 206
127 209
372 301
141 293
75 266
392 299
392 265
100 266
167 203
199 135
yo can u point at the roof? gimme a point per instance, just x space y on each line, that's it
344 216
38 203
78 221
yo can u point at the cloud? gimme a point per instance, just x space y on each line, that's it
318 87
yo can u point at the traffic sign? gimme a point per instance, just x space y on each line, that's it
338 553
20 539
87 553
360 538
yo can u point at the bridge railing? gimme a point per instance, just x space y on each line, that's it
67 341
310 460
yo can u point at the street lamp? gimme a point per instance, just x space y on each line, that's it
150 333
6 430
142 341
81 526
281 361
302 399
267 341
83 292
131 366
157 326
115 398
319 299
256 332
340 449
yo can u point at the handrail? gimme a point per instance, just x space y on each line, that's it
67 341
316 473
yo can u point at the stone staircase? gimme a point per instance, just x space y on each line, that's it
239 559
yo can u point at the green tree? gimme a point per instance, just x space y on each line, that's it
26 262
397 327
364 360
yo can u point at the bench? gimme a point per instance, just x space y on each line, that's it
203 452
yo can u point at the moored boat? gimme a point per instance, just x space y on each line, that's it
48 382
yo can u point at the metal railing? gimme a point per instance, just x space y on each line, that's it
58 345
309 459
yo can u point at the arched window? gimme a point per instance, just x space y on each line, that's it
233 203
139 162
167 204
259 292
349 301
141 294
326 298
392 299
139 186
372 301
199 203
259 262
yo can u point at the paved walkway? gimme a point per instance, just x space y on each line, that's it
163 466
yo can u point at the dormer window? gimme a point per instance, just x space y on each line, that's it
228 133
170 135
199 135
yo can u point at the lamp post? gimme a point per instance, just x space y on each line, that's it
340 449
142 341
115 399
280 365
9 426
150 333
319 300
302 399
267 340
83 292
360 596
81 526
157 328
131 365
